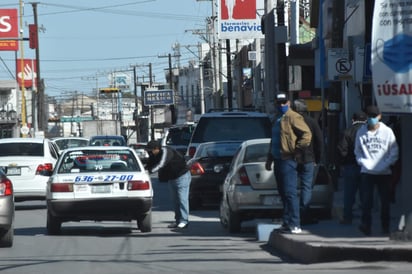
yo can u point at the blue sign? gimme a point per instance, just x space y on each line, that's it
158 97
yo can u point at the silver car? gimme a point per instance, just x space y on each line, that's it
6 211
250 191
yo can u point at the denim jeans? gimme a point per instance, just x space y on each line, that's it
351 182
179 189
367 186
286 177
305 174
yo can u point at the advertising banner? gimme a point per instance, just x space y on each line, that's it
392 55
26 70
9 28
240 19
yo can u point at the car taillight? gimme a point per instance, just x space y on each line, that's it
6 187
61 187
244 179
138 185
44 169
192 151
196 169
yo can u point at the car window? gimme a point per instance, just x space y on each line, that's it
107 142
179 136
217 150
224 128
22 149
98 160
256 153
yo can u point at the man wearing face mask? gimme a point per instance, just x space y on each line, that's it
376 150
290 137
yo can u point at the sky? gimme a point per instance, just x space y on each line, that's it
81 42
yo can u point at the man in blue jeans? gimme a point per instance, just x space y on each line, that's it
171 167
290 136
350 168
311 158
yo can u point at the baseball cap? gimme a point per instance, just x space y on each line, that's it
372 111
281 98
359 116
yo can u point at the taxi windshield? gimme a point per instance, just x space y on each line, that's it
98 160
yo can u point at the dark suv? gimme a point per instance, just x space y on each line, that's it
178 137
229 126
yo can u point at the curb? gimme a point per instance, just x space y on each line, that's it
307 253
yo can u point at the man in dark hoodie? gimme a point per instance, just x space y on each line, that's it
311 158
171 167
350 168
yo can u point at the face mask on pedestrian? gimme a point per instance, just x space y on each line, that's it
373 121
283 109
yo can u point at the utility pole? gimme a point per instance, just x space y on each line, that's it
136 103
229 76
40 90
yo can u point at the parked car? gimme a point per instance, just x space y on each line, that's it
141 151
178 137
250 191
107 140
6 211
29 163
100 184
68 142
229 126
209 167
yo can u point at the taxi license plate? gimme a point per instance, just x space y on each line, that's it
271 200
101 189
11 171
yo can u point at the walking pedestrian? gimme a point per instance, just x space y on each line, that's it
376 150
290 136
350 168
171 168
311 158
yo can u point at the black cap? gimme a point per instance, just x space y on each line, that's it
372 111
359 116
281 98
153 144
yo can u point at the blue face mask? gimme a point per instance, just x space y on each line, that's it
283 109
373 121
397 53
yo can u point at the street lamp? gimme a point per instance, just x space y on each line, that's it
3 114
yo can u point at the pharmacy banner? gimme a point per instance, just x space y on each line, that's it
392 55
240 19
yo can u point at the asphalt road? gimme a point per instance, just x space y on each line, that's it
114 247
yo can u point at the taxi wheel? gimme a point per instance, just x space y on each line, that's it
53 225
144 222
234 223
6 238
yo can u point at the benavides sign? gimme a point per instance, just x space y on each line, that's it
239 19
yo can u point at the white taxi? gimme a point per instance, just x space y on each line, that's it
99 184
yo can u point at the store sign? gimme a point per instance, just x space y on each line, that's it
158 97
9 28
392 55
239 19
26 71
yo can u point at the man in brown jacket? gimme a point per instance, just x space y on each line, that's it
290 137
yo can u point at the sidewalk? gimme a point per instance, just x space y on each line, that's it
329 241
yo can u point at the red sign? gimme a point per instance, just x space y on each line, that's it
238 9
9 28
26 70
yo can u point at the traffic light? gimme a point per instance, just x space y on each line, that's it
109 90
33 36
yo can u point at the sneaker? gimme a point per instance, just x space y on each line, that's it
283 228
174 225
296 230
182 225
